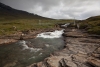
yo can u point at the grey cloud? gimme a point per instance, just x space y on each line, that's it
26 4
58 9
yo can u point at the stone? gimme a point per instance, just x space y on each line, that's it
95 62
96 55
21 37
80 58
98 50
12 64
65 63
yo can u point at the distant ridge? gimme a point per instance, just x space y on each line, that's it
94 18
7 12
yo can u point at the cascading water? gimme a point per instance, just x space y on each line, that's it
55 34
26 52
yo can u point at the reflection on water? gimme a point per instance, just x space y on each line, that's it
26 52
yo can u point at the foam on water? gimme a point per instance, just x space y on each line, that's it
65 25
47 45
40 54
55 34
25 46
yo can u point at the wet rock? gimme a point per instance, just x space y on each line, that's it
12 64
21 36
97 50
6 41
65 63
26 31
80 58
33 65
95 62
39 65
96 55
95 36
64 34
53 61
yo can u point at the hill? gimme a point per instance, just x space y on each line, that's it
92 25
6 12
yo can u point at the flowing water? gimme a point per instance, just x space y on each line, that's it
26 52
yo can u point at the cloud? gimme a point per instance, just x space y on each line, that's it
58 9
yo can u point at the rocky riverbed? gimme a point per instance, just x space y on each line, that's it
81 50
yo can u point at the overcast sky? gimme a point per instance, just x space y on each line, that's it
58 9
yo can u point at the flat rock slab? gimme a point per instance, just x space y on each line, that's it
6 41
95 62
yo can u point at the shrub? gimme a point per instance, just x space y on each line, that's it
83 25
94 30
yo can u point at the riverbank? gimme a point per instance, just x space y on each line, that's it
6 39
81 50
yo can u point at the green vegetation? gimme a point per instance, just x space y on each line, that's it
92 25
7 27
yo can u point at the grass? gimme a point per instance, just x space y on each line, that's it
92 25
7 26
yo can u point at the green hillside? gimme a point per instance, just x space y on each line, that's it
92 25
7 12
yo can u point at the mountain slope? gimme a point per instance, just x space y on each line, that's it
92 25
7 12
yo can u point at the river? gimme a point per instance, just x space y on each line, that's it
26 52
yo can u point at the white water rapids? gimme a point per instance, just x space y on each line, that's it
55 34
25 46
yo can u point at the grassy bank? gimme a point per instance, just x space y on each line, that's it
8 27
